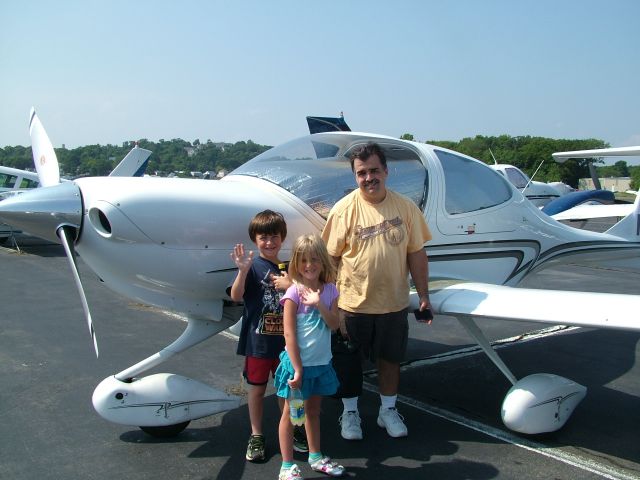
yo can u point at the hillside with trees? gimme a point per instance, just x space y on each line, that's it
168 156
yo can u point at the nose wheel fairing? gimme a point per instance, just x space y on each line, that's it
165 399
159 400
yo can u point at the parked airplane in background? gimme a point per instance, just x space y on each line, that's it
14 179
562 202
166 242
591 204
538 193
12 182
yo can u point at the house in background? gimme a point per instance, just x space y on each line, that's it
613 184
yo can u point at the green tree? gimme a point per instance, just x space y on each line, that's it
634 173
622 167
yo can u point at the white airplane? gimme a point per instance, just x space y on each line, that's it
538 193
166 242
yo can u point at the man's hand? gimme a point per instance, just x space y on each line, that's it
425 304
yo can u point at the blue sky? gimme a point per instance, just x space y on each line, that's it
106 72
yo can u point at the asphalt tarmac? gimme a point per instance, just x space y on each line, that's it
449 396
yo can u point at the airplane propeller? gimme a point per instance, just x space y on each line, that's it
67 216
66 235
44 157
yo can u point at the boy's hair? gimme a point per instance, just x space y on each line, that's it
363 152
267 222
311 245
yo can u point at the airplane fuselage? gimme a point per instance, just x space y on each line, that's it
185 257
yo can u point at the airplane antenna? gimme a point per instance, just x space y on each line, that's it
534 174
495 162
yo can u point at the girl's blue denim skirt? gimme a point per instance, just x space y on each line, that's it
316 380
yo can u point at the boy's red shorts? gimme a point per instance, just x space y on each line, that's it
256 370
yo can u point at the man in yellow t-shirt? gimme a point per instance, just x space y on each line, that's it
376 236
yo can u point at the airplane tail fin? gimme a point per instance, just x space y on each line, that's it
629 227
327 124
133 164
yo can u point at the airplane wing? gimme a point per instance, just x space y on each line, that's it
562 157
585 211
584 309
539 402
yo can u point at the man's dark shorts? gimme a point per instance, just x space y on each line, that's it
379 336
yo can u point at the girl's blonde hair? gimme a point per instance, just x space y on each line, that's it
311 246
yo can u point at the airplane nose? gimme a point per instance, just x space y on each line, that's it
41 211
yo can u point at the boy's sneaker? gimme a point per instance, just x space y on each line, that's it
292 473
255 448
390 419
350 423
300 439
326 465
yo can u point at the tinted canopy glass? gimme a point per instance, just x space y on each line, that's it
317 170
470 185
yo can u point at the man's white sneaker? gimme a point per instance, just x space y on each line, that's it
350 423
390 419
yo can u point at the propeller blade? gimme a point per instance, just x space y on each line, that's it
66 236
44 157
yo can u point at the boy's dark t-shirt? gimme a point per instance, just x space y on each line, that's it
260 298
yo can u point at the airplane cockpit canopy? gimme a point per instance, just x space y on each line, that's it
316 169
470 185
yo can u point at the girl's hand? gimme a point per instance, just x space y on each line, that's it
281 282
310 297
296 381
242 261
